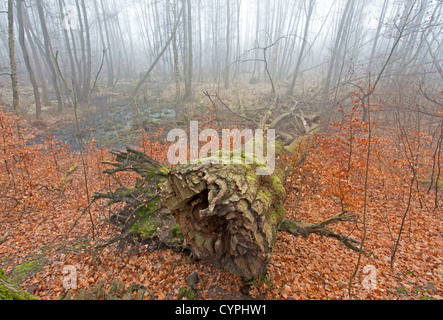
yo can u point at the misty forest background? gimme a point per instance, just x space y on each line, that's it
362 81
293 46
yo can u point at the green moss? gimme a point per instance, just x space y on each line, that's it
148 174
164 170
145 225
174 232
199 239
27 269
427 298
401 290
264 195
277 186
251 176
146 211
259 281
427 182
276 215
186 292
146 228
11 291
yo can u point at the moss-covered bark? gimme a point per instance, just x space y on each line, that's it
11 291
143 217
227 214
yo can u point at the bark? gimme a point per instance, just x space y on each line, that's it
189 58
110 51
35 53
176 66
105 47
228 42
148 72
338 40
142 215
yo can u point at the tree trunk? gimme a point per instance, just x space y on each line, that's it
88 63
188 49
35 54
228 42
337 42
69 52
38 107
110 51
14 77
48 54
227 214
303 46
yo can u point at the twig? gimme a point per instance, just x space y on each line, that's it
227 107
304 229
113 240
81 214
4 238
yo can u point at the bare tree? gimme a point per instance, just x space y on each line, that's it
38 107
335 50
189 66
228 42
310 9
49 54
14 77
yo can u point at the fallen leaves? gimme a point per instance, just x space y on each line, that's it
301 268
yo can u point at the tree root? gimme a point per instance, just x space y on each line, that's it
300 228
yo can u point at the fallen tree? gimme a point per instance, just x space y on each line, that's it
223 213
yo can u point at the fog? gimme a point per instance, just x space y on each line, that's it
292 46
124 115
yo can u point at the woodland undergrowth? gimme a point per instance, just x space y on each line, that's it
42 202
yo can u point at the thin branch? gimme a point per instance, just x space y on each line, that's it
297 228
227 107
148 72
81 214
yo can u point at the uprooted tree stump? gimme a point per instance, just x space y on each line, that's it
224 213
227 214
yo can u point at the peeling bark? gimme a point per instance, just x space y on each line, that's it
227 214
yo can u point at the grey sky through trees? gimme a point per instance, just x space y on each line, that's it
346 39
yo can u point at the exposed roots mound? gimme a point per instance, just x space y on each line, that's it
227 214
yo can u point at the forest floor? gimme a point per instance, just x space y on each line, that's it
43 196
